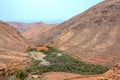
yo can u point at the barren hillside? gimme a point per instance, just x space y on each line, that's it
32 34
32 31
92 36
12 44
9 57
20 26
11 39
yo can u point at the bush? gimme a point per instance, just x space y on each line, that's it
31 49
50 51
21 74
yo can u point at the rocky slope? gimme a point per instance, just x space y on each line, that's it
11 39
12 44
20 26
112 74
32 31
32 34
92 36
9 57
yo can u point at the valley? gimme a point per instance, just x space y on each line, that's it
85 47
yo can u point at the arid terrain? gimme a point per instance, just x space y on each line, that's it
85 47
11 39
92 36
12 44
32 34
20 26
32 31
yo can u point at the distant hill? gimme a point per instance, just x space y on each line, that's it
32 31
20 26
92 36
32 34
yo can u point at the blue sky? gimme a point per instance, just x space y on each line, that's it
48 11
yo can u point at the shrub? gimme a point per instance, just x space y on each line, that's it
31 49
21 74
50 51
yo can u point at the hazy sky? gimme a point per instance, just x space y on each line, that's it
49 11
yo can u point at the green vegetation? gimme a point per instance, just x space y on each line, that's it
21 74
51 50
61 63
31 49
66 63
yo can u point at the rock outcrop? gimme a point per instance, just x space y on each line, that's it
112 74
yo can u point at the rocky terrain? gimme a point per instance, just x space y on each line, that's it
32 31
11 39
12 44
92 36
8 56
20 26
32 34
112 74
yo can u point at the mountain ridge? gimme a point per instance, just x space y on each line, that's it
95 32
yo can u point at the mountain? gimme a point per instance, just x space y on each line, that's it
92 36
12 46
20 26
11 39
32 31
32 34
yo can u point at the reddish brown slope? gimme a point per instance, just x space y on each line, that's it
11 39
67 76
9 57
20 26
33 33
92 36
12 45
